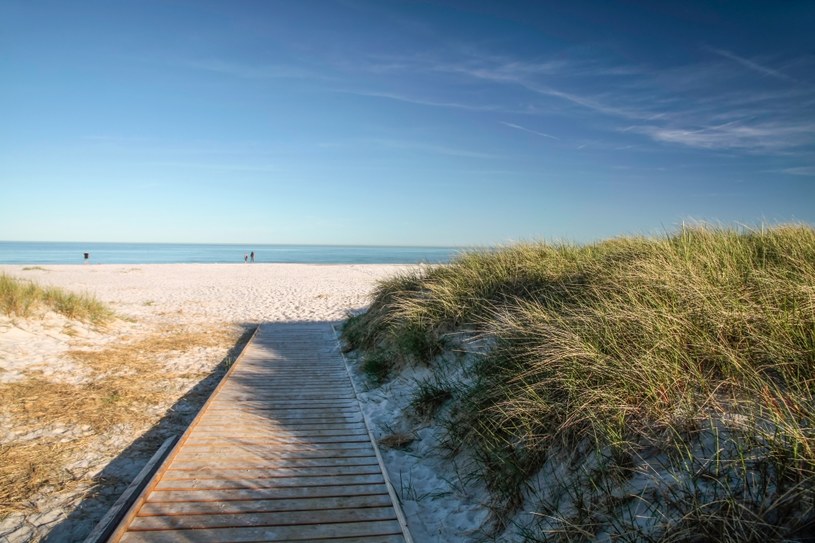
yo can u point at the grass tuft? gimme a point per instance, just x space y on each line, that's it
429 397
23 298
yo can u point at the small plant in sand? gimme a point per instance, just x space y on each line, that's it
636 389
24 298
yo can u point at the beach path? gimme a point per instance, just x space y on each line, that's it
280 452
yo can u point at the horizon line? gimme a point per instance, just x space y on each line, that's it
250 245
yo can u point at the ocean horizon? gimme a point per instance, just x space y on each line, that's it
42 252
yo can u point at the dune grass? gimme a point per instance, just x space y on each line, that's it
24 298
672 376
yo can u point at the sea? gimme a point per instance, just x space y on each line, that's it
37 253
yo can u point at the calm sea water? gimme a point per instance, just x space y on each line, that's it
13 252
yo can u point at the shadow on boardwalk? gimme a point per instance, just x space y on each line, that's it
281 452
112 481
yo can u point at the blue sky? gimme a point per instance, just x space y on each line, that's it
407 123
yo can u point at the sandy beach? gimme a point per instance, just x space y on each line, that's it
177 326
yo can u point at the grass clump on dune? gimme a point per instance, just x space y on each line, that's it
673 376
23 298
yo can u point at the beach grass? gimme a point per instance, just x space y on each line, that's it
24 298
661 386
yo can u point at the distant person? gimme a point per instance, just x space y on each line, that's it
252 256
87 256
246 258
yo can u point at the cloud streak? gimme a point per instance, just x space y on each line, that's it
766 136
432 103
519 127
808 171
247 71
749 64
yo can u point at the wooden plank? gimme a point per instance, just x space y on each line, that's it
280 383
281 386
248 463
282 414
194 464
287 518
266 452
299 378
316 437
282 433
279 443
286 420
265 493
272 413
277 397
286 404
308 532
264 506
273 482
242 473
319 422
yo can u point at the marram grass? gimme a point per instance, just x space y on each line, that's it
686 363
24 298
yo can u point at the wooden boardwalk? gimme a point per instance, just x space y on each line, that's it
280 452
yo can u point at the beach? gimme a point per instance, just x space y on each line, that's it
177 327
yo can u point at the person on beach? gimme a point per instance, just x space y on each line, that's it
252 256
246 258
87 256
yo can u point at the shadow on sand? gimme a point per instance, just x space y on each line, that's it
112 481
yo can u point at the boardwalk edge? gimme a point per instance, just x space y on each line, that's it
116 531
397 503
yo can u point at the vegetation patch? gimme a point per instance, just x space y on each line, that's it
22 298
129 387
657 389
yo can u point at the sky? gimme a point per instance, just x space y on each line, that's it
402 122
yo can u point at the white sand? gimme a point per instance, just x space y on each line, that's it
220 292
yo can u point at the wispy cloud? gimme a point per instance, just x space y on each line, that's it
766 136
247 71
432 148
523 128
410 146
528 76
749 64
433 103
808 171
215 166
